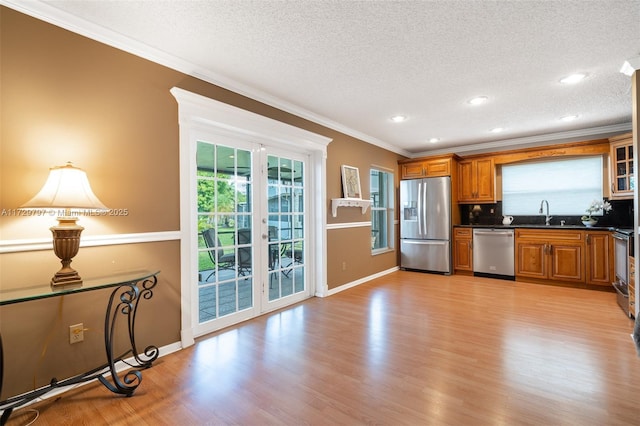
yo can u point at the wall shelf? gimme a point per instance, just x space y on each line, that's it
349 202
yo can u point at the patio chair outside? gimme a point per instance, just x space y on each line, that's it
216 252
244 253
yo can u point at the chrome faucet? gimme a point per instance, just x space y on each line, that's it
547 218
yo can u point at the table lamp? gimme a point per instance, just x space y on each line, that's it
66 188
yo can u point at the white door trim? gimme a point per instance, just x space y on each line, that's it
198 113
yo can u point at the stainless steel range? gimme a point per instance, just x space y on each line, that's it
623 249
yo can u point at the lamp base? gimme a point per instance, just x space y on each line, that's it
66 278
66 242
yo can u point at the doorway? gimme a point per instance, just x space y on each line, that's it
253 213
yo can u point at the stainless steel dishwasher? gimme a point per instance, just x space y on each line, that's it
493 253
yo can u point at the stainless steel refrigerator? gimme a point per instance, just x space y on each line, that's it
425 224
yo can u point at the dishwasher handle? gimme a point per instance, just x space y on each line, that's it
507 233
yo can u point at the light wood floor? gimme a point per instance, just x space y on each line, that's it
405 349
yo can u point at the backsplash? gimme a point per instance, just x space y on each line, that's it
491 214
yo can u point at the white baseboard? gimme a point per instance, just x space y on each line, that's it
361 281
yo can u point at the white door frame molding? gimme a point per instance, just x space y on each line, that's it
198 113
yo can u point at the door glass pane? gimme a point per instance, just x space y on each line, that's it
286 171
297 173
298 200
285 199
285 192
225 268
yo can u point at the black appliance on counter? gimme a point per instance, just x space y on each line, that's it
623 249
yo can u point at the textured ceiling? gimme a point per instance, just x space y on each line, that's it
352 65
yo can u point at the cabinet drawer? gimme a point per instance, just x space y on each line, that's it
544 235
462 232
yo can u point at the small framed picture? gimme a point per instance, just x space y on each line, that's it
351 182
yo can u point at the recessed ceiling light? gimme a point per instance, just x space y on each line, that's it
497 129
573 78
399 118
569 117
434 140
478 100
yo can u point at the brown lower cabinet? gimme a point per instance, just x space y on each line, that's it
599 265
463 250
567 256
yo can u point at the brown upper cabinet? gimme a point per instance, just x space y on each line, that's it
476 181
622 173
431 167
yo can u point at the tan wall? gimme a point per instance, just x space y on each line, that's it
67 98
349 249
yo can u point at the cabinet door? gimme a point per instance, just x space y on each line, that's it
530 259
476 181
622 173
436 168
599 258
485 177
566 261
466 190
412 170
462 250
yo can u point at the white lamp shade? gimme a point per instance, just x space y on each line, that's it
66 187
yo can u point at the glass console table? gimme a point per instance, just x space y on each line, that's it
128 289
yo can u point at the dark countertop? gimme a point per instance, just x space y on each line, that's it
514 226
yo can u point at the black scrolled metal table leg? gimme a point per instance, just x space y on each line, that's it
150 352
128 294
7 412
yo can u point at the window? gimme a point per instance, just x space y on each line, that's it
382 208
569 185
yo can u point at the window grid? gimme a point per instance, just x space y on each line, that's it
382 210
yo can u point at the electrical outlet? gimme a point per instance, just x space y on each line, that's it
344 266
76 333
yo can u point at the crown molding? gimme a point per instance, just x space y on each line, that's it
532 141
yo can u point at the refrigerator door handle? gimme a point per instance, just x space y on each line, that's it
420 208
424 209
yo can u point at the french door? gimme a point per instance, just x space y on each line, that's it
251 206
252 214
